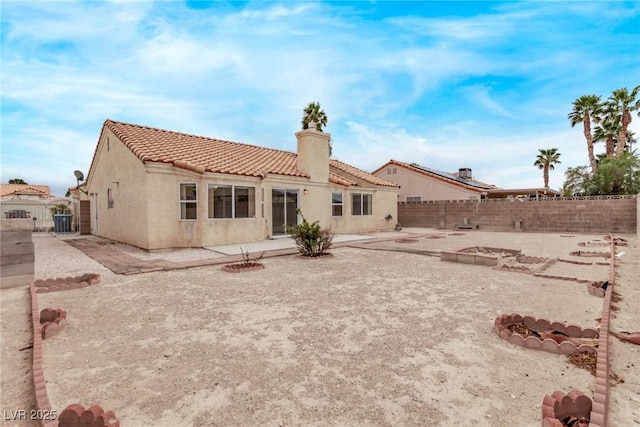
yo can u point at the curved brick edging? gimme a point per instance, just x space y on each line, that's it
564 346
93 416
558 406
64 283
43 405
52 321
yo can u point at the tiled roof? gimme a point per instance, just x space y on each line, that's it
202 154
25 189
349 172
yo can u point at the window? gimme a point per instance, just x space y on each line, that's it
361 204
389 171
415 199
188 201
336 204
231 201
109 198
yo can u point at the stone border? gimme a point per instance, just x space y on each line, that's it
590 254
565 347
598 288
594 244
459 255
64 283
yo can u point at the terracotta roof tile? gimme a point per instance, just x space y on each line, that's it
202 154
339 168
27 189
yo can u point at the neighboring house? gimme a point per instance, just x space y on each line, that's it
30 201
156 189
418 184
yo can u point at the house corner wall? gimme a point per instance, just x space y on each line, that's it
118 193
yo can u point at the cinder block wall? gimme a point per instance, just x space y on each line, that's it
16 253
571 215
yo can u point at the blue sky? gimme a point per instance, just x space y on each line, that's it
443 84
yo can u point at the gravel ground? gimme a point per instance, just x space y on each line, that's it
365 337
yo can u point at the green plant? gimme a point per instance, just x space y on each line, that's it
247 261
311 239
60 208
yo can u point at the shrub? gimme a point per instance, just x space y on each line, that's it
311 239
247 261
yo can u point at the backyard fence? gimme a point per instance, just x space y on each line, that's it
39 211
595 214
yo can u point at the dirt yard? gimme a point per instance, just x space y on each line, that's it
364 337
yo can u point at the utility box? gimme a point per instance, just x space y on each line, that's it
62 223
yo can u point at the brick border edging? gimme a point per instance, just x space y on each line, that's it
600 407
559 405
43 405
94 414
64 283
600 402
547 344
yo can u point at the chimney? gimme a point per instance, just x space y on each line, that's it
464 173
313 153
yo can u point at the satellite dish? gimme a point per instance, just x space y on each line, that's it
79 175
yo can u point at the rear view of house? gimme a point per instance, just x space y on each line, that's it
156 189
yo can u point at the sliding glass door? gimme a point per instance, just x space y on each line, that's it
284 204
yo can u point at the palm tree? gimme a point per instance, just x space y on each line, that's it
313 113
545 160
625 102
585 109
607 131
17 181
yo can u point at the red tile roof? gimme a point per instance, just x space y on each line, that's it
25 189
202 154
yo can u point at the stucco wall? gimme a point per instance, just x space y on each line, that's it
595 215
414 184
117 168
